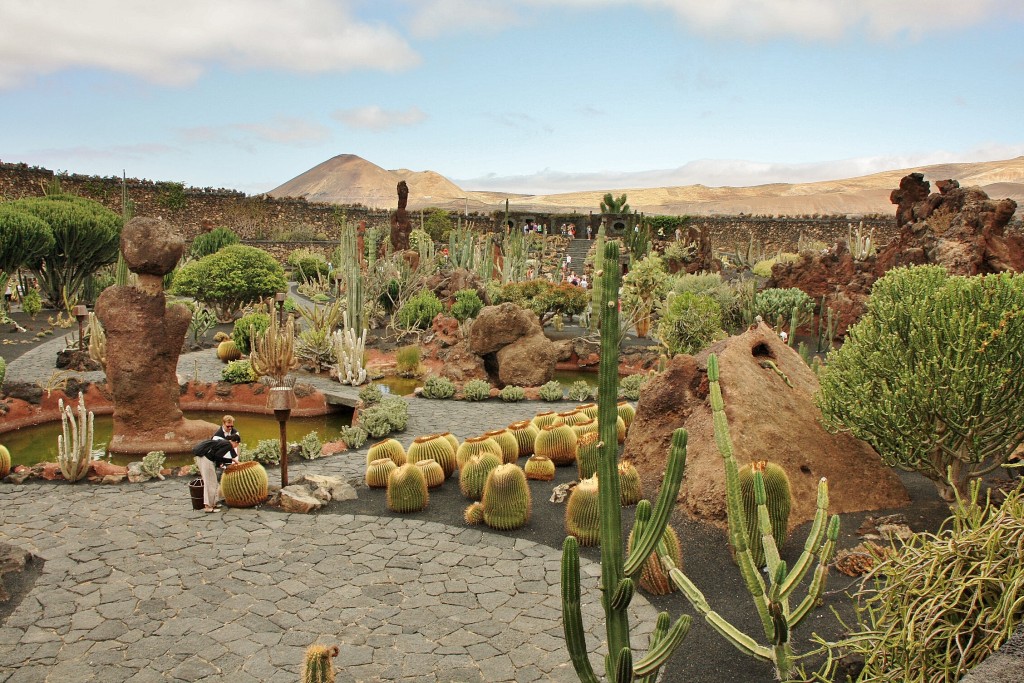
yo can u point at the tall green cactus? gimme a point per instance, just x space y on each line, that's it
351 266
772 598
616 570
74 446
598 295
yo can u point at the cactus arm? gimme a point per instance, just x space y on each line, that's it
572 617
624 666
647 537
813 542
771 551
817 586
739 639
657 635
661 650
623 594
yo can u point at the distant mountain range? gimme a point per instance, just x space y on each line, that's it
349 179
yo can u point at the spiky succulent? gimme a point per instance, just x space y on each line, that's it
433 447
245 484
587 454
436 386
654 576
589 409
540 468
378 471
557 442
473 474
570 417
582 517
474 513
388 448
506 498
620 429
512 394
580 390
432 472
543 419
525 433
476 445
450 438
630 488
551 391
476 390
507 443
407 489
585 427
778 499
228 351
626 412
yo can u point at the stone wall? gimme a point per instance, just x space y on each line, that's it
784 232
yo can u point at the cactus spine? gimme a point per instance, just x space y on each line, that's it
587 455
432 472
319 664
433 447
508 444
777 498
506 498
388 448
542 420
473 474
539 468
582 515
771 599
632 489
525 433
476 445
474 513
407 489
74 446
626 412
654 578
617 570
378 471
450 438
557 442
349 352
245 484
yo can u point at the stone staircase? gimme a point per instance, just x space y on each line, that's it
578 250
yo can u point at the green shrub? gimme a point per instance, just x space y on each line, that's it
310 446
376 422
354 437
312 269
407 360
551 391
232 278
708 284
238 372
267 452
32 303
512 394
212 242
370 395
241 334
397 410
467 305
476 390
580 390
437 223
689 323
389 297
629 386
773 304
419 311
437 386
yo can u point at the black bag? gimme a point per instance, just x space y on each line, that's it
205 448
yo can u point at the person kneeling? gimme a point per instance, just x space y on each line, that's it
210 454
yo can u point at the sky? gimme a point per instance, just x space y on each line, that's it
526 96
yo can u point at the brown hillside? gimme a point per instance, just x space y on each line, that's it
349 179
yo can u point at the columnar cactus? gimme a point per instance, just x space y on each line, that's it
476 445
407 489
473 474
525 433
506 498
378 471
632 489
539 468
587 455
433 447
777 498
654 577
543 419
582 516
617 571
388 448
245 484
507 443
319 664
771 597
432 472
557 442
626 412
74 446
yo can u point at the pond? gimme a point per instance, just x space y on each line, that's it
31 445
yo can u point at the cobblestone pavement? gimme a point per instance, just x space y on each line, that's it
136 586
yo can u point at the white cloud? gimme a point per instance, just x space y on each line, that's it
175 42
440 17
282 130
376 119
728 172
62 157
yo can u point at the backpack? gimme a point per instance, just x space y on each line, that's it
205 448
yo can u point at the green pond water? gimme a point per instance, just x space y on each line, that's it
31 445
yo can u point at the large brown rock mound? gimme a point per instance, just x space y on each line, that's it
513 346
768 420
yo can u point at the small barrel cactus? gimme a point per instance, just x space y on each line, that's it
474 514
587 455
540 468
432 472
627 412
589 409
450 438
319 664
507 443
543 419
620 429
228 351
433 447
585 427
245 484
378 471
506 498
557 442
654 575
778 499
630 488
569 417
476 445
388 448
473 474
5 462
407 489
582 517
525 433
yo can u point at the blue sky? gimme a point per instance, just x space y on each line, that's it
510 95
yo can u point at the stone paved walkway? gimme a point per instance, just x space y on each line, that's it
136 586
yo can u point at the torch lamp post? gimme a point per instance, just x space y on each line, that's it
279 299
81 312
281 401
